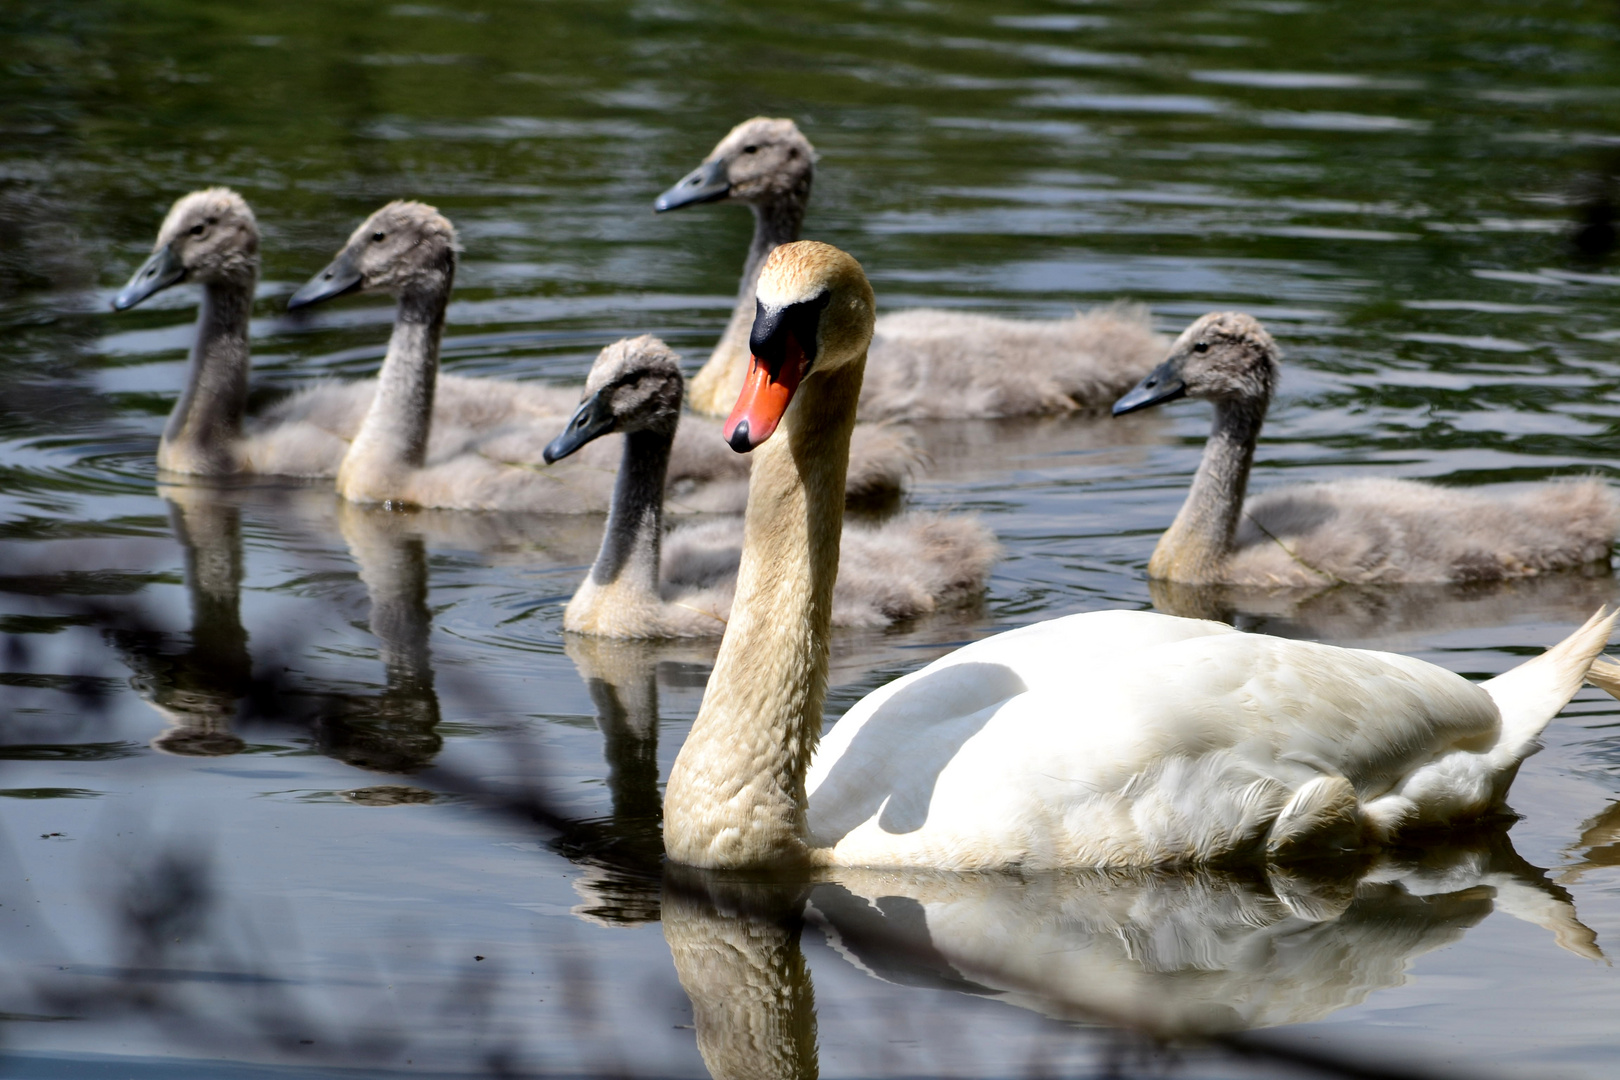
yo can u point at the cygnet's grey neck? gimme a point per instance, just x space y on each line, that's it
776 222
628 560
207 420
1194 547
394 434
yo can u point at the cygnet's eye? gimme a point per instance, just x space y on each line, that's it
378 237
1202 346
750 149
197 230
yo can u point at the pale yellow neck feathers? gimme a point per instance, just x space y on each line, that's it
736 794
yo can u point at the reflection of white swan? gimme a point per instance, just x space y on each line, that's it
1599 845
1110 738
1169 954
1185 953
925 362
1367 531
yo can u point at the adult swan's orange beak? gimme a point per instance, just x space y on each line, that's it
783 350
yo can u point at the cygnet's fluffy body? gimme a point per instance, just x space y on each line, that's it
1364 532
211 237
646 585
421 439
931 364
923 363
908 566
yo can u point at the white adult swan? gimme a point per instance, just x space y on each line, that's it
925 363
648 585
485 452
1363 532
1109 738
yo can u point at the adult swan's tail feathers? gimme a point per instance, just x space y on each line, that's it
1530 695
1605 675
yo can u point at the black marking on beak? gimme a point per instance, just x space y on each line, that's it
772 325
706 183
341 276
162 269
592 420
1162 384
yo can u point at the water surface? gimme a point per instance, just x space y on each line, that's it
1391 189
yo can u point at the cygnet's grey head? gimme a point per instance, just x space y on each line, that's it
1224 356
209 236
761 161
406 247
635 385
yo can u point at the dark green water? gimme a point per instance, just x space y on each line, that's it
1392 188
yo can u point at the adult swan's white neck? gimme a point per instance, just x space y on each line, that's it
736 795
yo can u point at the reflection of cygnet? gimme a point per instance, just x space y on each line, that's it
926 363
1361 532
622 678
198 691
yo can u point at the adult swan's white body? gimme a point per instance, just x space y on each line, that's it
1109 738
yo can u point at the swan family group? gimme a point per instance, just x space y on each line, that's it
1103 739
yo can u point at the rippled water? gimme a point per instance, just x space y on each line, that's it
1393 189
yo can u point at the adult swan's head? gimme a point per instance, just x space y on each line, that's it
813 317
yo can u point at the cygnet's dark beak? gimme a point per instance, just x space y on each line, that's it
706 183
156 274
342 276
1162 384
592 420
